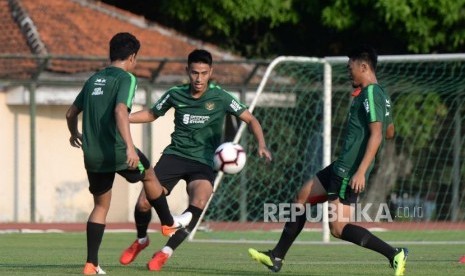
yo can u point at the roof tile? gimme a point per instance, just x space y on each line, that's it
83 28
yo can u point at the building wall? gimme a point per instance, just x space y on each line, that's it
61 191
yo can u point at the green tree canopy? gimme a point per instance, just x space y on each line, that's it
426 25
264 28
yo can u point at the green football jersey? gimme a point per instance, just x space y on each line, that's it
198 123
371 105
103 146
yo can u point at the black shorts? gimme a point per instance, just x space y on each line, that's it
172 168
100 183
336 186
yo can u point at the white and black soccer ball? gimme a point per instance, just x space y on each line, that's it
229 158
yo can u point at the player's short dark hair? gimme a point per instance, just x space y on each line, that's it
122 45
200 56
366 53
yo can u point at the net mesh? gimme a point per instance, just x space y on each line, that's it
418 176
289 109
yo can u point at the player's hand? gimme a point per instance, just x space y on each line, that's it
357 182
132 158
264 152
76 140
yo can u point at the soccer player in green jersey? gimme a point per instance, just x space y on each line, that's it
369 122
200 108
106 100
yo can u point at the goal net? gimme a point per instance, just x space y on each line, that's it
415 192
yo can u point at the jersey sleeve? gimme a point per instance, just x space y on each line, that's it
232 104
160 107
127 89
375 104
79 101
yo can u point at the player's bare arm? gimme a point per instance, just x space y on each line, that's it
256 128
357 182
390 132
142 116
72 120
122 123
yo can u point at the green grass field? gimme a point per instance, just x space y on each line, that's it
64 253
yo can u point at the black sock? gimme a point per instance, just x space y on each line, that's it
182 234
364 238
163 211
94 239
142 220
290 232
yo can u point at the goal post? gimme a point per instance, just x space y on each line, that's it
275 91
416 191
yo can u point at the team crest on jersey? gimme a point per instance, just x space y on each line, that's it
210 105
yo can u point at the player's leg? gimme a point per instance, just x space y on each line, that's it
311 192
199 192
100 185
341 228
169 171
199 178
155 194
199 187
156 197
142 215
142 218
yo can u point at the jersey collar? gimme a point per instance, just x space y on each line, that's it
356 92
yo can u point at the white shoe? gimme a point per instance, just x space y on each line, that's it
100 270
183 220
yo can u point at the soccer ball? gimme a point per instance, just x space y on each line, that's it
229 158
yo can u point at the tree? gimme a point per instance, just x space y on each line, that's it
261 29
426 26
244 26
